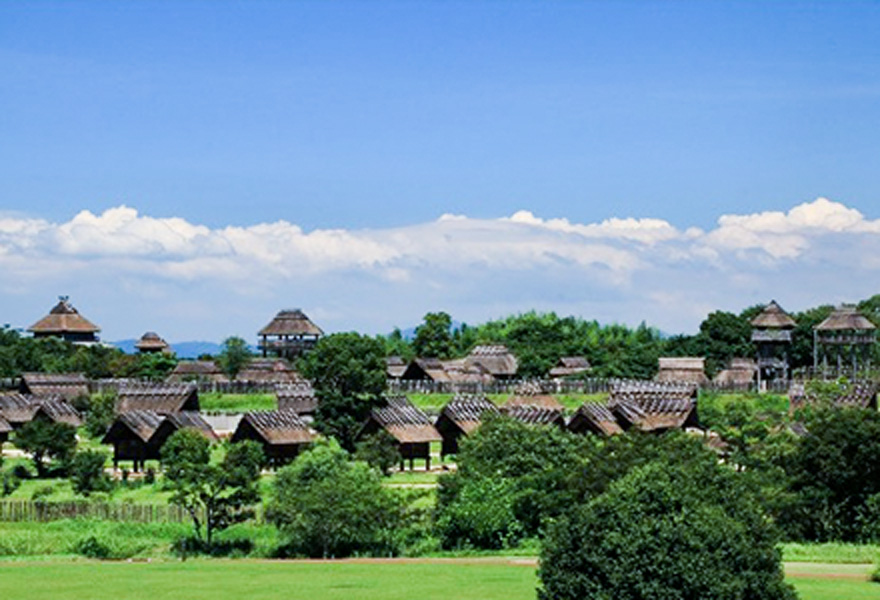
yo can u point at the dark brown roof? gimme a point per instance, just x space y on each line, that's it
655 413
570 365
189 419
298 397
467 411
278 427
68 385
17 408
535 415
531 394
495 358
773 317
651 390
275 370
58 411
161 398
5 427
404 421
291 322
64 318
846 318
152 341
682 369
145 423
188 370
596 417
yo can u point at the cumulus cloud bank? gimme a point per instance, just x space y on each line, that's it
644 268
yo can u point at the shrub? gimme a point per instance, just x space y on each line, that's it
101 414
91 547
665 532
87 473
481 516
379 451
327 506
46 439
9 483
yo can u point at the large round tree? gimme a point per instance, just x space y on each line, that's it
665 533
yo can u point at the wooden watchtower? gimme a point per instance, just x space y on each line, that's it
845 335
771 334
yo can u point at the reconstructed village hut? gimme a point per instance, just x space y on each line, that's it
282 433
290 334
860 394
531 394
690 369
139 435
198 371
460 417
409 426
595 418
151 343
65 322
163 399
569 366
654 406
453 373
272 370
740 373
17 409
66 385
425 369
298 397
496 359
395 366
535 415
846 335
771 333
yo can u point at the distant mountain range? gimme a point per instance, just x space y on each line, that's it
182 349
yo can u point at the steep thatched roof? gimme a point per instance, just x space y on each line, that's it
5 427
291 322
57 411
197 370
406 423
298 397
535 415
161 398
467 411
270 370
846 318
67 385
594 417
651 390
654 405
495 358
395 367
151 342
277 427
142 423
16 408
63 318
773 317
531 394
682 368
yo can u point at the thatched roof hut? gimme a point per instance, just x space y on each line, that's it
531 394
568 366
460 417
740 372
197 370
654 406
282 433
289 334
159 398
395 366
860 394
408 425
690 369
846 318
65 322
67 385
298 397
139 435
595 418
5 429
57 411
271 370
425 369
151 343
496 359
17 409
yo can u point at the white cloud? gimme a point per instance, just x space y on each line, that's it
644 268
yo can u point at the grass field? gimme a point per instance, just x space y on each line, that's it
469 579
237 402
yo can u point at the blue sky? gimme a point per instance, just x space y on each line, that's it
373 119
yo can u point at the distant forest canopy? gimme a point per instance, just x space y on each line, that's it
537 339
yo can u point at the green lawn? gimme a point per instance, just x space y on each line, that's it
492 579
237 402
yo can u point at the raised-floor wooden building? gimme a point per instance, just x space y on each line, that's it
139 435
409 426
282 434
65 322
460 417
151 343
66 385
290 334
159 398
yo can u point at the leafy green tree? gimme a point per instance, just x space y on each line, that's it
379 451
327 506
536 467
156 366
100 414
348 373
223 493
234 356
87 473
46 439
667 532
433 337
834 471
